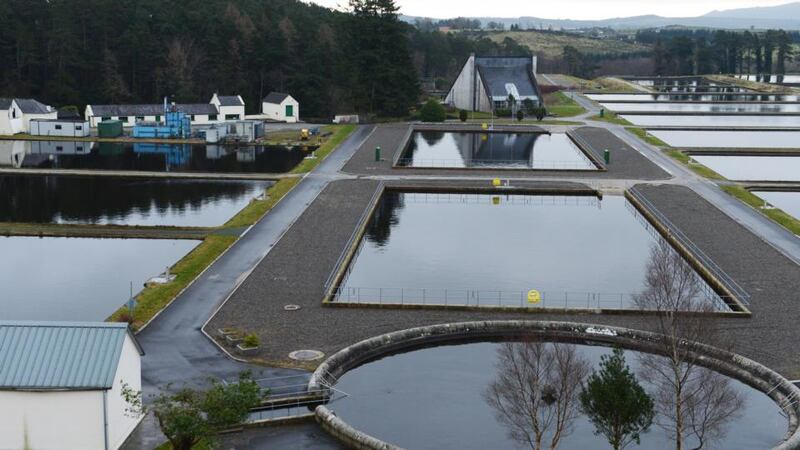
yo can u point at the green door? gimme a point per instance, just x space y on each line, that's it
289 110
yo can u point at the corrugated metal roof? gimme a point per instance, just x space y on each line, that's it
31 106
60 355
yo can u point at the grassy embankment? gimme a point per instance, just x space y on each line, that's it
777 215
153 299
551 45
560 105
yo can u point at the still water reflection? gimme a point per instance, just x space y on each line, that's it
494 150
123 201
148 157
492 249
435 398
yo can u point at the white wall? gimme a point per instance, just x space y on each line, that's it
12 120
120 423
65 128
278 112
66 420
461 94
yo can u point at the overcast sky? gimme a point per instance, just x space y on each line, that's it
563 9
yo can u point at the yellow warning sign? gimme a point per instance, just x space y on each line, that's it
496 182
534 296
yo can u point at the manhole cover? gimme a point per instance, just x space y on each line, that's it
306 355
291 307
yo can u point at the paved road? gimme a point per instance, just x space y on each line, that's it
176 350
777 236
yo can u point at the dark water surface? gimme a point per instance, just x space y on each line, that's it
492 249
78 279
123 201
494 150
434 399
149 157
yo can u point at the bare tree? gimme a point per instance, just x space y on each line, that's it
536 391
692 402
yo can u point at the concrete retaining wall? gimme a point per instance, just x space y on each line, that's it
750 372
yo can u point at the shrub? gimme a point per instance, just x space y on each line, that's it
251 340
462 115
540 113
502 112
433 111
520 115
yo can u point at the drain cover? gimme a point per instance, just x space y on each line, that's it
291 307
306 355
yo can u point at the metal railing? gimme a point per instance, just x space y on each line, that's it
505 198
739 293
498 298
362 221
585 164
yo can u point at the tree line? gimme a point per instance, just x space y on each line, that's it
74 52
722 51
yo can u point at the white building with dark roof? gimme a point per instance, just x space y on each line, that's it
61 385
219 109
280 107
17 113
485 84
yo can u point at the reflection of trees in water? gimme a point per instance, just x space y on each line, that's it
385 216
432 137
535 394
42 199
694 404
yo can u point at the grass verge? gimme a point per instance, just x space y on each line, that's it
779 216
562 106
153 299
254 211
611 117
642 134
697 168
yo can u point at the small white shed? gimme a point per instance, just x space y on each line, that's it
61 385
280 107
59 127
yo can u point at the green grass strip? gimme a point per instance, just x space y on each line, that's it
340 133
782 218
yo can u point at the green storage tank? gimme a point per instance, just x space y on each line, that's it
109 129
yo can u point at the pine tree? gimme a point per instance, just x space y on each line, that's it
616 403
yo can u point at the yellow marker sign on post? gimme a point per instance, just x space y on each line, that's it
496 182
534 296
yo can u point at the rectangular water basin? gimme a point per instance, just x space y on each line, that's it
492 250
729 138
442 149
753 168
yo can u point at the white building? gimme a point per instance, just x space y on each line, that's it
220 109
231 107
12 152
59 127
485 84
16 114
61 385
280 107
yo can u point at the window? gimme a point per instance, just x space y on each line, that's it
191 117
231 117
59 148
79 148
78 127
14 113
212 117
140 118
58 127
158 118
123 118
104 118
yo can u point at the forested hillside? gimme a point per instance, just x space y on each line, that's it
74 52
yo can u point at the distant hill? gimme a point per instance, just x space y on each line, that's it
783 16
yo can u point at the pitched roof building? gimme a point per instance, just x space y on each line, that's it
485 83
16 114
61 384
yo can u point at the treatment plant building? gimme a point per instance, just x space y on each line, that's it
485 83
